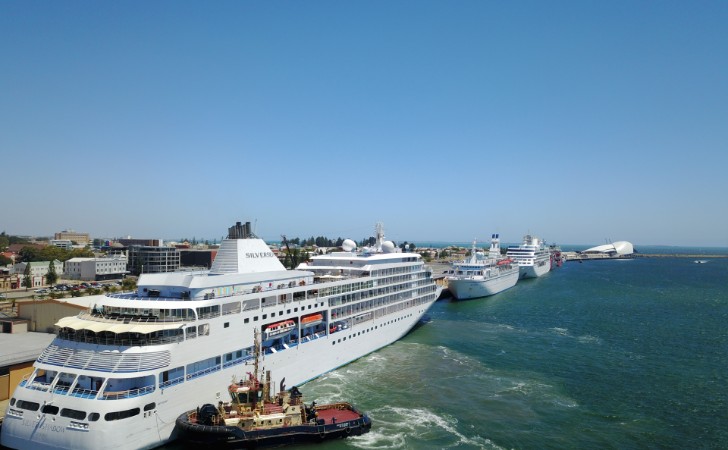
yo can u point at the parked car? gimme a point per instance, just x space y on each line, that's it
41 291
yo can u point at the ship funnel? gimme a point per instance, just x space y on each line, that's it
240 231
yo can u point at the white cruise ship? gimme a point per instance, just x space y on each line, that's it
121 373
532 256
482 275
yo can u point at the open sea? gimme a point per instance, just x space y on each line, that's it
625 354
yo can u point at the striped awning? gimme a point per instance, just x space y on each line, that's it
113 327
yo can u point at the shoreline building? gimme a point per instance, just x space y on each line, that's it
149 259
38 271
83 239
96 269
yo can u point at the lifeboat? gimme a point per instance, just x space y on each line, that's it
279 329
312 319
504 261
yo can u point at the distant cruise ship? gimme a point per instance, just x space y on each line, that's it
482 275
121 373
532 256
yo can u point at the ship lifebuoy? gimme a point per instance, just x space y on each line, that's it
348 430
287 422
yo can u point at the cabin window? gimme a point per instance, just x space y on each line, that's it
171 377
49 409
118 415
265 316
30 406
73 414
150 406
247 320
93 417
231 308
191 332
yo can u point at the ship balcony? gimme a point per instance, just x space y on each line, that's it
121 388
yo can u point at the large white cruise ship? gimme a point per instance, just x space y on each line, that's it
120 374
532 256
482 275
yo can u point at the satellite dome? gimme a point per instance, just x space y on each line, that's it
388 247
348 245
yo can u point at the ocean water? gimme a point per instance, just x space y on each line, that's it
629 354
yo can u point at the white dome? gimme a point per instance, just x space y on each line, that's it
388 247
619 247
348 245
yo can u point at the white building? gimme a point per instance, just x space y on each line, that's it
94 269
62 243
38 271
619 248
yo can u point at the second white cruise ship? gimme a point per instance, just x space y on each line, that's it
120 373
482 274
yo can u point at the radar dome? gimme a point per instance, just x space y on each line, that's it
348 245
388 246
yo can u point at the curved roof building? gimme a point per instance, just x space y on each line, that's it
616 248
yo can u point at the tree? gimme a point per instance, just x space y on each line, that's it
26 276
128 284
51 276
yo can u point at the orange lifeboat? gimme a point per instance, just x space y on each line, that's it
504 261
312 319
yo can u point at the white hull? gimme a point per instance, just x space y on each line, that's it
156 427
463 289
538 268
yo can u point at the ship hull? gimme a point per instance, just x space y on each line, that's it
464 289
23 429
538 268
195 435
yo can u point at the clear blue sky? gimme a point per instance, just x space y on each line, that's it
576 121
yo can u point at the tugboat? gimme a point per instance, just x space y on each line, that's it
256 418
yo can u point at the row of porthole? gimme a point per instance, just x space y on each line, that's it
76 414
370 329
265 316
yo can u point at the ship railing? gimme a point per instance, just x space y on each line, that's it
199 373
117 318
116 342
84 393
38 386
61 388
171 382
237 361
136 392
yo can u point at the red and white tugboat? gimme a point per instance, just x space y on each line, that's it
254 417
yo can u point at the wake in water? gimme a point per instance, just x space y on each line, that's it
425 396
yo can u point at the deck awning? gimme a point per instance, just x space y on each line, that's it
91 325
152 327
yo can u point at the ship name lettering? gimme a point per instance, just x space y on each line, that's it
260 255
45 426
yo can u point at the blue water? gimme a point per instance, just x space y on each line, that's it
602 354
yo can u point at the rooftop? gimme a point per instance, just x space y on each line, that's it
22 347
